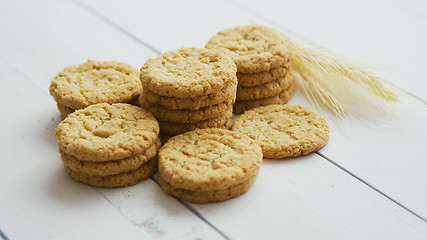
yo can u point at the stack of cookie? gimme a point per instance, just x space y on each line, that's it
109 145
189 88
92 82
208 165
263 57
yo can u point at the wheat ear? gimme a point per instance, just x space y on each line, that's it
337 84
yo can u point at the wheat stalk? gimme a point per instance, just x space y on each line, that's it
337 84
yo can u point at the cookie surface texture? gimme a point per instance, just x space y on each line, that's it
265 90
103 132
79 86
187 116
187 72
253 48
282 98
206 196
227 92
284 130
209 160
224 121
119 180
255 79
111 167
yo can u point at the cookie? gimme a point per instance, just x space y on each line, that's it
187 72
224 121
284 130
187 116
110 167
79 86
64 110
227 92
282 98
265 90
119 180
206 196
209 160
253 48
103 132
255 79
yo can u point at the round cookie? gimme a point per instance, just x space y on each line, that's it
187 116
253 48
265 90
227 92
223 121
103 132
79 86
111 167
255 79
282 98
119 180
64 110
187 72
284 130
209 160
206 196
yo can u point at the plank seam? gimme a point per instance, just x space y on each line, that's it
311 42
3 235
195 212
189 207
369 185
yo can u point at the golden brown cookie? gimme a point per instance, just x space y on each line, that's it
187 116
187 72
255 79
224 121
265 90
284 130
253 48
209 160
119 180
206 196
227 92
282 98
103 132
64 110
92 82
110 167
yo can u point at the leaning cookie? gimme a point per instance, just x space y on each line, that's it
118 180
253 48
284 130
187 72
265 90
92 82
281 98
103 132
112 167
208 161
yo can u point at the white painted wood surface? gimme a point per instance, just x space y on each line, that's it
369 182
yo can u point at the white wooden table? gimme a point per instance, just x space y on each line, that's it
369 182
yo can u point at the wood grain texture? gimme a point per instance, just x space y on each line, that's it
354 142
305 198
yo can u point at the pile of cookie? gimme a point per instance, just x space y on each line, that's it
79 86
189 88
263 57
109 145
186 96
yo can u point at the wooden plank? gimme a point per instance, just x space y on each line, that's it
308 198
39 200
379 32
360 147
